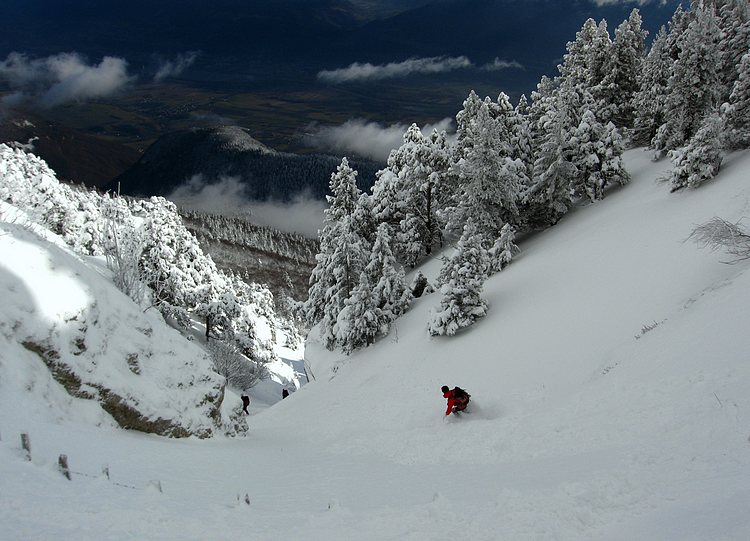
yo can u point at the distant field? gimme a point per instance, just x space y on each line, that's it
277 117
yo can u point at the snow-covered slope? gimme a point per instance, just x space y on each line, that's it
610 386
61 317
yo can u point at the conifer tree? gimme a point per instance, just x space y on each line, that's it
650 99
358 323
737 110
462 279
490 179
734 22
504 249
387 279
522 138
597 156
406 194
694 84
379 298
700 159
343 252
550 193
622 67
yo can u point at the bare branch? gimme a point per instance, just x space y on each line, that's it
718 233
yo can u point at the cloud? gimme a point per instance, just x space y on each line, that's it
499 64
601 3
175 67
62 78
228 196
303 215
365 138
369 72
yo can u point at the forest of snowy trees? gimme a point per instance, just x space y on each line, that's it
153 258
279 260
517 169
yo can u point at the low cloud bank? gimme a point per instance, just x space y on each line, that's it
601 3
228 196
174 67
499 64
62 78
358 72
365 138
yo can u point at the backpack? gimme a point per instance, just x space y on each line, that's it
459 393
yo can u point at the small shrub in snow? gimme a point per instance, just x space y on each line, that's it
718 233
240 372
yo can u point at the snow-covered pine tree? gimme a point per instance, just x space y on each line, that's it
358 322
504 249
407 194
462 279
650 99
387 280
341 204
621 70
379 298
452 190
490 179
737 110
343 254
597 156
700 159
734 22
586 63
550 193
521 137
694 86
172 261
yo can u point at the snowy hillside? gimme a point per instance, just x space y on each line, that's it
610 401
65 319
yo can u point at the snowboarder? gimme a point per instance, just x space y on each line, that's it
245 403
458 399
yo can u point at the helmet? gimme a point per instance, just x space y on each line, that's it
445 389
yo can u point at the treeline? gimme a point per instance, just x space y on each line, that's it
240 231
281 261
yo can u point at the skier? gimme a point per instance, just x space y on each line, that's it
458 399
245 403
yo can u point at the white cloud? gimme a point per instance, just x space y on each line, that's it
173 68
499 64
63 77
615 2
369 72
303 215
229 196
366 138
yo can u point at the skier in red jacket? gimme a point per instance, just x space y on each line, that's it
458 399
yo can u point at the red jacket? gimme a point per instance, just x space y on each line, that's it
453 400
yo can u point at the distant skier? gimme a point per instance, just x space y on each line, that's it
245 403
284 393
458 399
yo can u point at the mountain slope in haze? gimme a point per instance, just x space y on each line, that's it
609 384
206 155
73 155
